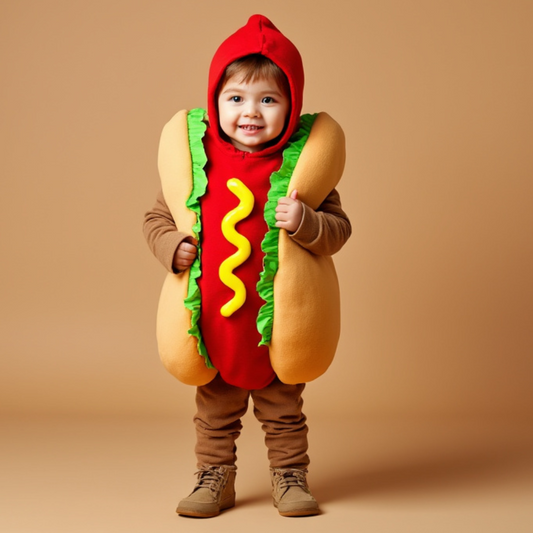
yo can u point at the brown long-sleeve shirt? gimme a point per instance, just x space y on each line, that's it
322 232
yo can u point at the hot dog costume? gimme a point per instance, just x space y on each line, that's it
284 312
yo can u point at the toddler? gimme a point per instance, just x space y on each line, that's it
248 145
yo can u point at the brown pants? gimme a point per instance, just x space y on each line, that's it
278 407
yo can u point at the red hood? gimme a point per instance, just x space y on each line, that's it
259 36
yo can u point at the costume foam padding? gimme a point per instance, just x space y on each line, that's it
177 349
306 291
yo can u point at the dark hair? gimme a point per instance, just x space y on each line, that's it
255 67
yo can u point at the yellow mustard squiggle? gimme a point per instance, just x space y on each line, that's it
246 204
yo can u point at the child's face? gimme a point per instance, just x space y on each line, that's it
252 114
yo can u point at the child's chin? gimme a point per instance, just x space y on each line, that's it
249 146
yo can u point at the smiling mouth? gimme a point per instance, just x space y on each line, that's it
250 127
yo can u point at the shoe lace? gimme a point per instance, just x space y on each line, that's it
291 477
210 477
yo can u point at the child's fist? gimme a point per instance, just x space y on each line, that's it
289 212
185 254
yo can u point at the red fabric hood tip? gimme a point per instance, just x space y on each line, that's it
259 36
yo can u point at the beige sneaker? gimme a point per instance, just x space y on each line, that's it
214 491
291 494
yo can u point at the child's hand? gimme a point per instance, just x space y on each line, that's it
185 254
289 212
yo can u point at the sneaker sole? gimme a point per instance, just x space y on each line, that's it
202 514
300 512
297 512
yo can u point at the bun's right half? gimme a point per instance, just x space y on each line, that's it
306 326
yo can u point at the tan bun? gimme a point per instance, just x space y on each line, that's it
306 290
306 293
177 349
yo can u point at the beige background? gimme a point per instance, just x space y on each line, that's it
435 100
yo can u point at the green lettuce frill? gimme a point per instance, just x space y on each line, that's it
279 183
193 301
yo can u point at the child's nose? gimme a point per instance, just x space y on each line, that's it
251 110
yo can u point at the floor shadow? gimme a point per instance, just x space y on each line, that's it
472 469
253 500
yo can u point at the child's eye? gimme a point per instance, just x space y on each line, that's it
236 99
268 100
